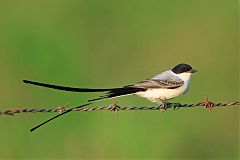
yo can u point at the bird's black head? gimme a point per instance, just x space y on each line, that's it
183 68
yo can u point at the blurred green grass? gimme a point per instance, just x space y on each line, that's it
113 43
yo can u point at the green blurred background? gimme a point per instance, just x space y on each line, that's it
110 43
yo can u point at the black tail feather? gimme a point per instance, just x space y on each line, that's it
71 89
58 115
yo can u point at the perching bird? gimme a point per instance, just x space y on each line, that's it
167 85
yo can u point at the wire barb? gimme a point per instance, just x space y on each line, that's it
207 104
61 108
114 107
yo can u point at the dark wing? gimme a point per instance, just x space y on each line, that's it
154 83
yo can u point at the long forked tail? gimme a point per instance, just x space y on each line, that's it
111 92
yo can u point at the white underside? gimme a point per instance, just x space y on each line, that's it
155 95
160 95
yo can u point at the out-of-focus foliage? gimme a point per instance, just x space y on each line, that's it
107 43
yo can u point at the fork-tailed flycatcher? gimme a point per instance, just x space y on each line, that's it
167 85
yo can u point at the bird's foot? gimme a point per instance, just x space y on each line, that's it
207 104
163 107
163 104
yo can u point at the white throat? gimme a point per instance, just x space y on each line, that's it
183 76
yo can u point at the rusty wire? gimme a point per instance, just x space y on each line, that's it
114 107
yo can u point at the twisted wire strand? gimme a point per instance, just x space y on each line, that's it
115 107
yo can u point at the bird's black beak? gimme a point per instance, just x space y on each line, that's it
193 71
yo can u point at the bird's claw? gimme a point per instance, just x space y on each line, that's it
207 104
163 107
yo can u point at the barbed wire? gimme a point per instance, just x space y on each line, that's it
114 107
